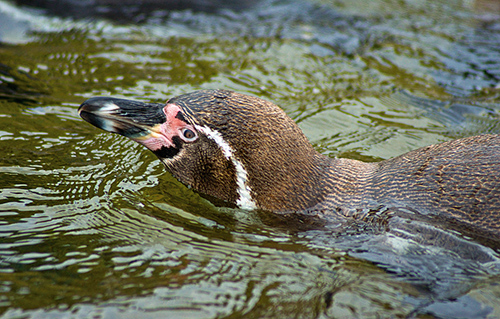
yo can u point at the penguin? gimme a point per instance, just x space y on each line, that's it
248 152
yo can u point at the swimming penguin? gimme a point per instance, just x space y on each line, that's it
247 151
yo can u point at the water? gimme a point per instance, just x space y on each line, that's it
92 226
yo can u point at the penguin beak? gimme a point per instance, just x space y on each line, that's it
125 117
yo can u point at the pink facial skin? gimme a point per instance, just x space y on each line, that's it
161 135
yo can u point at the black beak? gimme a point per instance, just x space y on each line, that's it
125 117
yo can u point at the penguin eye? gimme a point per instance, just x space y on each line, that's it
189 135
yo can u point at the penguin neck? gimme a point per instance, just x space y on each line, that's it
289 181
305 182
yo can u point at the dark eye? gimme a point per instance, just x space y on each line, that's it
189 135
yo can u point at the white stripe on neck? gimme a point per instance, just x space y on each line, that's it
245 201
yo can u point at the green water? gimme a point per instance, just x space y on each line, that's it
92 226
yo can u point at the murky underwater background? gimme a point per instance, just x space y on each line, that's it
92 226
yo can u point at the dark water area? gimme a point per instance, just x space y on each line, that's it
92 226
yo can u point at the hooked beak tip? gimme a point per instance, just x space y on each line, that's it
132 119
98 104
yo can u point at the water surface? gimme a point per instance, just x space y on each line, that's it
92 226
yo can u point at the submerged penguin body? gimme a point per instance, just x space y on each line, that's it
247 151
